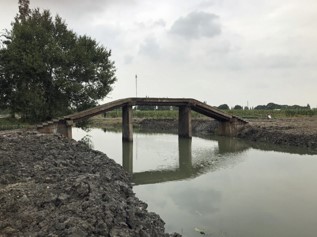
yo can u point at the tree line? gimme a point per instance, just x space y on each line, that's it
47 70
269 106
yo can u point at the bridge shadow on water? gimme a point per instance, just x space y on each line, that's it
187 168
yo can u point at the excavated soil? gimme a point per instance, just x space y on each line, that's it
294 132
52 186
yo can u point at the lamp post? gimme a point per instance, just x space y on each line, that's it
136 85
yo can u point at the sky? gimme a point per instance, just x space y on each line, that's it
245 52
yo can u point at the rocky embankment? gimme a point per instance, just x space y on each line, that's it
51 186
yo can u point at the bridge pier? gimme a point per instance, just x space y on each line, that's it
127 126
184 122
229 128
65 128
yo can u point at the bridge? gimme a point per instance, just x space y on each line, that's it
228 125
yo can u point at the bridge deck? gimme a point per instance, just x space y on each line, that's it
194 104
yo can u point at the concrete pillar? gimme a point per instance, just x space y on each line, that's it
185 122
127 156
127 126
229 128
65 128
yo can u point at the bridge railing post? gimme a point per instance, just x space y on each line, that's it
127 126
184 122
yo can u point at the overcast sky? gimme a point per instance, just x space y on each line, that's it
220 51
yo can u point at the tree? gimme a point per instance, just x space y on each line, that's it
238 107
224 107
46 70
24 9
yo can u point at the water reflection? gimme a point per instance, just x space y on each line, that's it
186 168
222 186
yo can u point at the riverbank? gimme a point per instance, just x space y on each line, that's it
296 131
53 186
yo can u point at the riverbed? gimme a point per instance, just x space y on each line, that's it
218 186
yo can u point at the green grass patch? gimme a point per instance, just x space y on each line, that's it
259 114
248 114
10 123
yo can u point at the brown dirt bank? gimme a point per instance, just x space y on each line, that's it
52 186
295 132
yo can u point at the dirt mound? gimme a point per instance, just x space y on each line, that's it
51 186
294 132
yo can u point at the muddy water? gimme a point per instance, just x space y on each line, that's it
218 186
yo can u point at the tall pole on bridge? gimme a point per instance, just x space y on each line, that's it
136 85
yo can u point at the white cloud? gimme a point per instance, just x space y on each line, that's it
150 48
196 25
222 51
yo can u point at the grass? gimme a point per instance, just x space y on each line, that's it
10 123
251 114
258 114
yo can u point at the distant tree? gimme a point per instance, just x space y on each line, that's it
224 107
246 108
238 107
46 70
260 107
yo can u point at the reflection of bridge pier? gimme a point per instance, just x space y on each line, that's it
186 169
185 155
183 171
229 125
127 156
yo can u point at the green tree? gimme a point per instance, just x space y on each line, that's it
24 9
224 107
238 107
46 70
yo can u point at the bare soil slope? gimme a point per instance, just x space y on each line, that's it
52 186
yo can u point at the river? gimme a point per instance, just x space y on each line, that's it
218 186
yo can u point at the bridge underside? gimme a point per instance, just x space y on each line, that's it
229 125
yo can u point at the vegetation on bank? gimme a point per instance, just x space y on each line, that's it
12 123
252 114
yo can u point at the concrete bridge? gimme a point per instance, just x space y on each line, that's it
229 125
